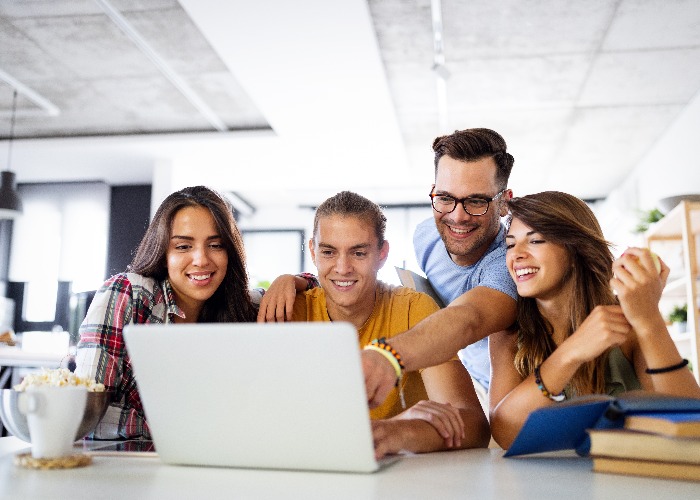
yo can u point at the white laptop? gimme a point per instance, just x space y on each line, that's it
275 395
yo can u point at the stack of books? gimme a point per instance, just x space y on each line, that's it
662 444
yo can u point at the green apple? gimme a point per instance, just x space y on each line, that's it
657 262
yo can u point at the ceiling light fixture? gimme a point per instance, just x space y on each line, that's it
439 68
10 202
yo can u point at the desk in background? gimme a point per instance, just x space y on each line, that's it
473 474
34 350
14 359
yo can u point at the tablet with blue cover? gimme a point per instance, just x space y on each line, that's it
564 426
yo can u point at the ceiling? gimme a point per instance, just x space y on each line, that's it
292 101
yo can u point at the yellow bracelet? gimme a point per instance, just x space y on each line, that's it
388 355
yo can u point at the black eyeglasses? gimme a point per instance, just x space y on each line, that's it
473 205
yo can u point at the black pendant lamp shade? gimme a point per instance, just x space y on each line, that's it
10 203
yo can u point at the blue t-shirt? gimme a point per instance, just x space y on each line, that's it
451 280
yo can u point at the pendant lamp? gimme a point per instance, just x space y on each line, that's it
10 202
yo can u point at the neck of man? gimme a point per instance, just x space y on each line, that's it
471 259
357 313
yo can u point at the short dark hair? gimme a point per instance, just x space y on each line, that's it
347 203
474 144
231 302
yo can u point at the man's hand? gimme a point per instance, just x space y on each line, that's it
388 436
278 302
380 377
415 429
446 419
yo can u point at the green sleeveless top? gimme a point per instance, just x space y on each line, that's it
620 375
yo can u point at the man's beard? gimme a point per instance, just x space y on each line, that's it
475 243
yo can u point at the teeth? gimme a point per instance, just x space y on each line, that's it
343 283
201 277
527 270
460 231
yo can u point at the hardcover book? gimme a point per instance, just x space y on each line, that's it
683 424
564 426
622 443
647 468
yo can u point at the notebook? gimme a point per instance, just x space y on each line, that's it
255 395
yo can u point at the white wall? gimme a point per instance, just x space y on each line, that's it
671 167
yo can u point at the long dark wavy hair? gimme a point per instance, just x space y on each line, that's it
567 221
231 302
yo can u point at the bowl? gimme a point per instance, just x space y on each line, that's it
16 422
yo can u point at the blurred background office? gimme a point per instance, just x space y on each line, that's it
109 105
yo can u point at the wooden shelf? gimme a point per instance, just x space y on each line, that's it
676 288
669 228
682 225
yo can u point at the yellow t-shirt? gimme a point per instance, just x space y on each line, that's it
396 309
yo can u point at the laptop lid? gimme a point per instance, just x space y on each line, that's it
274 395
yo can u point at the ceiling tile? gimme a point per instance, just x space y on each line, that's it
488 29
524 82
604 144
87 46
644 77
644 24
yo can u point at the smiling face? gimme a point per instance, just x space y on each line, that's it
346 253
540 268
196 259
467 237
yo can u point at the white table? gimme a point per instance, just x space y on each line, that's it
477 474
14 358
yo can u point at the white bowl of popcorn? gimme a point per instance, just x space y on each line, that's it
95 407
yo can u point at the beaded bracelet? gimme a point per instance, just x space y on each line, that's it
666 369
538 380
311 280
389 356
381 346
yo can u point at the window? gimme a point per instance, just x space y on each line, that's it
272 252
400 225
62 236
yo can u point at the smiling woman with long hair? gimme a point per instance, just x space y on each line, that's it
189 267
586 323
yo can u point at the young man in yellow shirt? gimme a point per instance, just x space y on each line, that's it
434 409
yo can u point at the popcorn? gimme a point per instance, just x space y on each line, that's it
59 377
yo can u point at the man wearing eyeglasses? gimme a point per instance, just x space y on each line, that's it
462 252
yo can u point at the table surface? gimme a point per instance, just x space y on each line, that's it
14 356
477 474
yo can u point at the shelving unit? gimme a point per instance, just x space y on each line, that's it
681 227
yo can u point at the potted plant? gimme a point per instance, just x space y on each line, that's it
647 218
679 318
